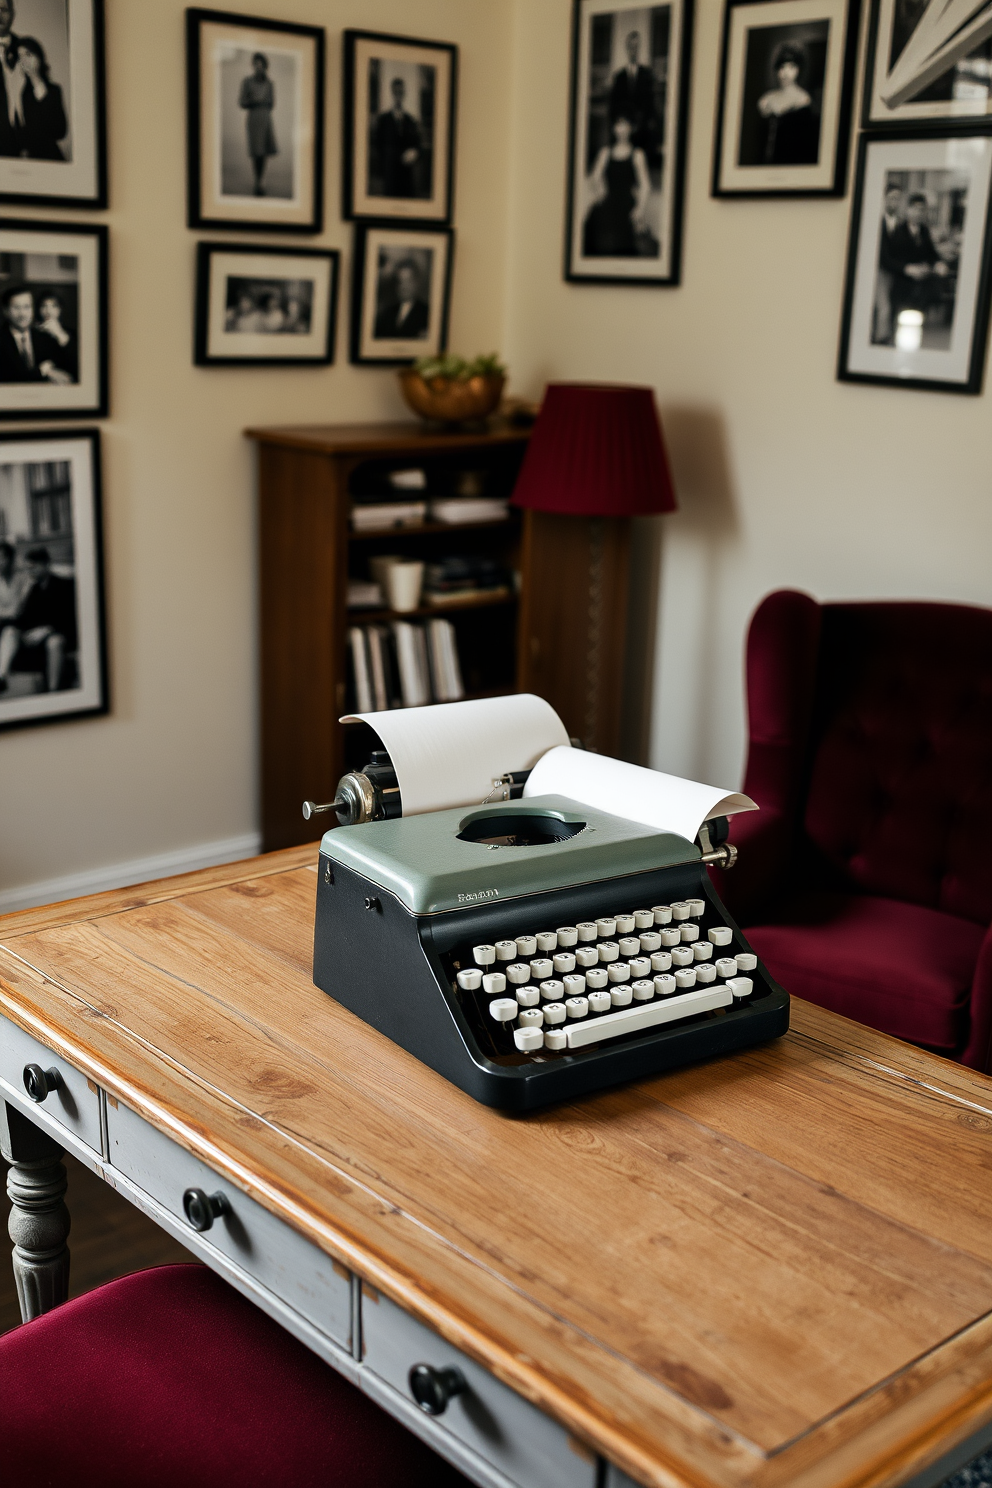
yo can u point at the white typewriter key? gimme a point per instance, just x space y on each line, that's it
664 985
541 968
547 940
600 1002
721 935
642 990
606 927
661 961
643 919
726 966
564 961
575 984
670 937
685 977
587 930
530 1018
608 950
649 941
506 950
621 995
705 973
662 914
577 1007
682 955
740 987
625 924
526 945
518 973
629 945
689 932
702 950
681 910
554 1012
640 966
554 1038
596 977
494 982
586 955
697 907
504 1009
528 996
619 971
552 990
746 961
528 1040
470 979
484 955
567 935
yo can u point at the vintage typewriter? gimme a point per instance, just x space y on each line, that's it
531 950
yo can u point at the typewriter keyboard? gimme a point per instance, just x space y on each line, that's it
565 989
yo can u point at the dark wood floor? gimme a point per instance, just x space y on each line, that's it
109 1238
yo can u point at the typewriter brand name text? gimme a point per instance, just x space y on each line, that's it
482 894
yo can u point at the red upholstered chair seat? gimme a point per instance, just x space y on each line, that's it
169 1377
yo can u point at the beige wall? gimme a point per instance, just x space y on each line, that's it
174 765
785 476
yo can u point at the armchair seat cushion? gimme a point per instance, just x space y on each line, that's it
905 969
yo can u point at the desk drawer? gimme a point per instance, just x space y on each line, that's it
262 1246
74 1104
508 1432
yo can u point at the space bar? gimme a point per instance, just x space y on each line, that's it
632 1019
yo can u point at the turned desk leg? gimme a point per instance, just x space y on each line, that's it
39 1219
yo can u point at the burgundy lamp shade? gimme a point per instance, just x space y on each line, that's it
596 451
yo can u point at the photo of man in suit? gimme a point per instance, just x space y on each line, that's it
398 145
11 83
918 269
404 313
632 97
892 217
28 353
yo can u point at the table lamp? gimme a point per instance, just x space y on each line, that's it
596 458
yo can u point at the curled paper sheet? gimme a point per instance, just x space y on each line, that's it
648 796
448 754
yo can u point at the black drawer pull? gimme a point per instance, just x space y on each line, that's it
201 1208
39 1083
432 1388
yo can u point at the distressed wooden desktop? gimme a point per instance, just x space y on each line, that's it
775 1268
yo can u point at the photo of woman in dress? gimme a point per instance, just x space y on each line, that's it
782 102
615 226
41 106
258 98
791 130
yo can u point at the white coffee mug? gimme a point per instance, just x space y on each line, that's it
379 568
403 581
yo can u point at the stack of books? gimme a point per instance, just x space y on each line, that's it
381 516
404 665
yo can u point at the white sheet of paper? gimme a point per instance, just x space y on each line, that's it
448 754
648 796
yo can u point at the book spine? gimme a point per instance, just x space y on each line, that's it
360 668
374 640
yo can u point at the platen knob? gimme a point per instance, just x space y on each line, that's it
39 1083
201 1208
432 1388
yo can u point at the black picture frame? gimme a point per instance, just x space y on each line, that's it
432 250
83 320
747 63
666 135
209 205
44 181
67 496
362 49
935 108
315 332
892 333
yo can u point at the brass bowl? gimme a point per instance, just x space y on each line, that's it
450 401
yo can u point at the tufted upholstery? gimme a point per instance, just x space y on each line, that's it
862 883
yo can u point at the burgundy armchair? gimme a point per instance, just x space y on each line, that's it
865 881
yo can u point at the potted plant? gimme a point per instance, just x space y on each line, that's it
451 390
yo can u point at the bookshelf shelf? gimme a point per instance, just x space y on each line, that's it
423 529
433 612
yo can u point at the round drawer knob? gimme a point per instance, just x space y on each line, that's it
432 1388
39 1083
201 1208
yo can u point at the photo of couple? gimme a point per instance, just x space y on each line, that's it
38 621
920 236
34 122
38 341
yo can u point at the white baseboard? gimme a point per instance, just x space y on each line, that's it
138 870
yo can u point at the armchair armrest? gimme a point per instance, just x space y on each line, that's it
763 839
978 1052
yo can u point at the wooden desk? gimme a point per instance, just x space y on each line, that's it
776 1268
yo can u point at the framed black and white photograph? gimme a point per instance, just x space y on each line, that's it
786 89
401 288
52 636
53 320
929 62
271 307
399 127
629 109
53 149
916 301
255 122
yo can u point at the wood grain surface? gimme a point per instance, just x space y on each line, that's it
773 1268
